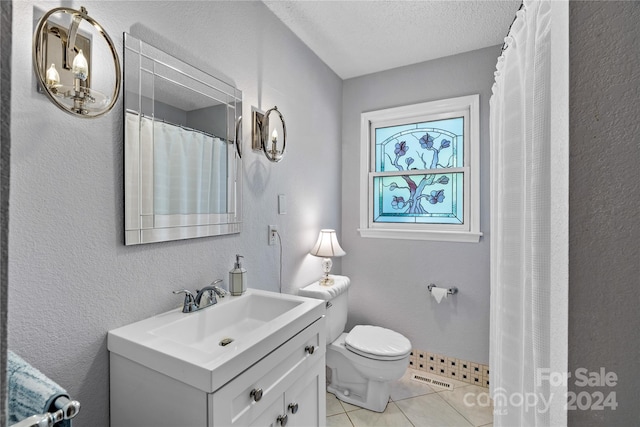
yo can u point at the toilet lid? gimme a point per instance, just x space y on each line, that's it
379 343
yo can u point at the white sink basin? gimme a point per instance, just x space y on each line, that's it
188 346
232 320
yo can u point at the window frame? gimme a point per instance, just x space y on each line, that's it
469 231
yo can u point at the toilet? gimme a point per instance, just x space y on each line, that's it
361 364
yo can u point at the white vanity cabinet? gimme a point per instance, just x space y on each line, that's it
282 389
297 406
283 386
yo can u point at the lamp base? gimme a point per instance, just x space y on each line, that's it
326 267
326 281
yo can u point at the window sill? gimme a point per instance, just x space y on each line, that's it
440 236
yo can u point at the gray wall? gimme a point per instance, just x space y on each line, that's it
71 278
390 277
604 204
212 120
5 147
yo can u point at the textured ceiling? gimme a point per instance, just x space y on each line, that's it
362 37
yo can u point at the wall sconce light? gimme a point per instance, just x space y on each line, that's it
327 246
62 60
266 134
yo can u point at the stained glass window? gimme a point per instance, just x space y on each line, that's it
409 194
436 200
422 170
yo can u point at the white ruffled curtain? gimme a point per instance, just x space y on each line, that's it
188 171
520 221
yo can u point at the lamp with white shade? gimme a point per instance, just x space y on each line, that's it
327 246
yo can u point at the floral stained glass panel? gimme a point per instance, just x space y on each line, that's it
429 198
425 145
442 203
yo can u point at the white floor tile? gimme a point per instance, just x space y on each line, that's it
340 420
392 416
418 404
472 402
431 410
343 406
405 387
333 405
348 407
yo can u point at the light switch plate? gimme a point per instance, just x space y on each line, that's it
282 204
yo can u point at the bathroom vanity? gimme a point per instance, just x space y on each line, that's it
255 359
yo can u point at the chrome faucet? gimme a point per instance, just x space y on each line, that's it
189 304
194 303
211 292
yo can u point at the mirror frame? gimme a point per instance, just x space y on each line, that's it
142 224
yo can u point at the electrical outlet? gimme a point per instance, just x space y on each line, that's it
272 235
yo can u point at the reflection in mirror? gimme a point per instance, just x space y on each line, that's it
182 171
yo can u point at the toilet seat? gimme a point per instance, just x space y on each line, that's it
377 343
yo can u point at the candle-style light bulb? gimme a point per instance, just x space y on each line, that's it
274 140
80 67
53 78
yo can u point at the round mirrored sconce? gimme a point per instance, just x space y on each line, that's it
76 62
269 132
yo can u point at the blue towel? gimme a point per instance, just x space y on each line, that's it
30 391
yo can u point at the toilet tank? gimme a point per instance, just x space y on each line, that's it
336 297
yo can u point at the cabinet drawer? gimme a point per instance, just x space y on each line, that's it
233 404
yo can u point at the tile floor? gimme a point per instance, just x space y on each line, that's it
416 404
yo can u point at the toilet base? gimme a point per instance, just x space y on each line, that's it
361 381
377 396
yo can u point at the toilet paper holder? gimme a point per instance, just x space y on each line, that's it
451 291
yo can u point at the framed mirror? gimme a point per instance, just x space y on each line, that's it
182 137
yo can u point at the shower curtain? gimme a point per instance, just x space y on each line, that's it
189 169
521 151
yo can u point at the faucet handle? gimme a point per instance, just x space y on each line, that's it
189 304
218 290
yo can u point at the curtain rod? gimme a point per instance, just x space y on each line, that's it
157 119
504 45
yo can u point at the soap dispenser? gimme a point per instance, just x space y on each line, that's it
237 278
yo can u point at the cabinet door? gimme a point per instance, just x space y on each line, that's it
307 398
235 404
268 418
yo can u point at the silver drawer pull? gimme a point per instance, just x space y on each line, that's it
310 349
282 419
293 408
256 394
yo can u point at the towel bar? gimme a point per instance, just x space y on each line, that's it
67 409
70 408
451 291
